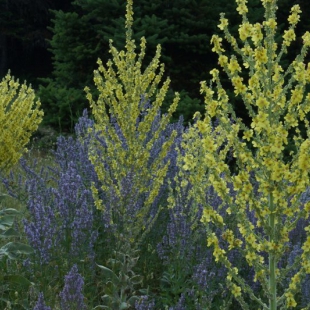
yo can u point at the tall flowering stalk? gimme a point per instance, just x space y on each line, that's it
71 297
277 103
40 305
19 118
124 122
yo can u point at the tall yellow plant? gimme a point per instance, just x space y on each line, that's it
20 116
124 89
277 102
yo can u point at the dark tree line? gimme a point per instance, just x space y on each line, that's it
24 37
55 44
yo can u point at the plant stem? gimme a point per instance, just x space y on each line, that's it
272 262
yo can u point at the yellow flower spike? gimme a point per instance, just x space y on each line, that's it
256 34
294 18
289 36
276 103
214 73
239 87
307 208
262 103
271 23
307 267
300 72
233 66
306 39
245 30
233 272
124 89
296 95
242 7
217 43
236 290
261 55
266 2
223 24
20 116
250 257
290 300
223 60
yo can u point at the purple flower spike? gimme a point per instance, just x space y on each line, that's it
71 297
40 305
144 303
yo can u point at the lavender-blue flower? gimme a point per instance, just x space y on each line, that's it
71 297
40 305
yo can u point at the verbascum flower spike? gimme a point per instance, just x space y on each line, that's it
278 105
20 116
127 108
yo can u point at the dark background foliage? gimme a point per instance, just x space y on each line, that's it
55 45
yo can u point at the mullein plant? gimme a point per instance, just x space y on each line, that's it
192 272
127 127
277 103
20 116
121 153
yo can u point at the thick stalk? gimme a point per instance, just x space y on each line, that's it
272 261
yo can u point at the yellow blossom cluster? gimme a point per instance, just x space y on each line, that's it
277 102
124 90
20 116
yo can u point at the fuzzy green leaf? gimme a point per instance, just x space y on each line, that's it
12 249
11 232
109 274
6 221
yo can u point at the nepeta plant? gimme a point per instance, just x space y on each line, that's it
71 297
277 102
40 305
62 222
61 217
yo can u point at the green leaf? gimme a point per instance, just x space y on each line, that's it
9 211
12 249
124 305
11 232
3 196
132 300
114 262
109 274
19 280
18 248
136 279
110 288
144 291
106 299
6 221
